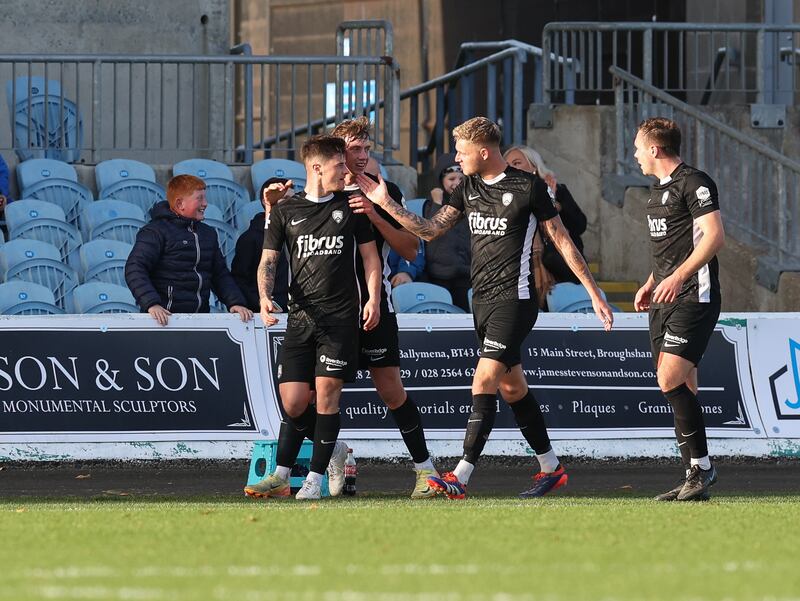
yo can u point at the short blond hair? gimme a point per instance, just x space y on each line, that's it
352 129
478 130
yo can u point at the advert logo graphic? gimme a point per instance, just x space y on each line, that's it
786 398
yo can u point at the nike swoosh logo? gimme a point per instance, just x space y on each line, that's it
680 444
409 431
473 420
296 221
689 434
327 441
670 344
377 358
329 368
473 196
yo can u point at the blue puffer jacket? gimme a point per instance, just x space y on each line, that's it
176 262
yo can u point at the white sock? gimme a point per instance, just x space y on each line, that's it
463 471
425 465
314 477
703 462
283 472
548 462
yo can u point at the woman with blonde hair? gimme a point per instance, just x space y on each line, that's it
549 266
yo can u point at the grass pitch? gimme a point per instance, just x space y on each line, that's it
393 549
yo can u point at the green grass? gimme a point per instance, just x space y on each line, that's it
392 549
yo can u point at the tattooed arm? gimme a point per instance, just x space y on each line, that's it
266 282
572 256
427 229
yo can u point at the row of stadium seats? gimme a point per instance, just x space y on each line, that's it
135 182
20 297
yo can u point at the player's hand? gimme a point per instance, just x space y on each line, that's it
603 311
437 195
361 205
372 315
377 192
276 191
267 309
160 314
400 279
243 312
641 302
669 288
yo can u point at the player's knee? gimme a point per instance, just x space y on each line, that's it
667 381
294 406
389 387
513 391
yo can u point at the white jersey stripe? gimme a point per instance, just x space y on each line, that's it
703 274
386 272
523 283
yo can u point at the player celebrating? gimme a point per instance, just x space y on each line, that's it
380 349
503 206
321 234
682 293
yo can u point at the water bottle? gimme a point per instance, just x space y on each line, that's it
350 473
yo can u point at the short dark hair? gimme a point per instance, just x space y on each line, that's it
322 146
664 133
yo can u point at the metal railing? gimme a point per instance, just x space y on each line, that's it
759 191
752 60
161 108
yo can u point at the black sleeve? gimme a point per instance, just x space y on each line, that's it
145 255
245 264
363 230
456 198
571 214
700 193
541 201
274 233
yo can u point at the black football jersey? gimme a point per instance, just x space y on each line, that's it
321 237
383 248
672 210
502 215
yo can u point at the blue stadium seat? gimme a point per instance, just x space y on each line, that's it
20 250
567 297
225 233
34 171
226 195
113 171
415 205
26 298
56 276
263 170
434 307
246 213
406 296
45 124
204 169
39 220
102 297
142 193
104 261
70 196
112 220
215 305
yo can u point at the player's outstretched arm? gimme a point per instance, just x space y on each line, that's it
265 275
403 242
712 241
574 259
372 272
427 229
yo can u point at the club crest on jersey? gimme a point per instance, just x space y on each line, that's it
664 197
703 196
507 198
337 216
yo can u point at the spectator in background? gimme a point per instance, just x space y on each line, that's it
448 258
248 253
549 266
176 261
4 195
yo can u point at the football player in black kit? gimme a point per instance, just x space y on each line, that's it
322 237
682 293
379 348
503 206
